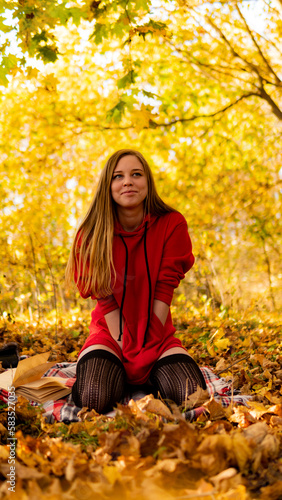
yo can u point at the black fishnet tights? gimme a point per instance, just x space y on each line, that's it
100 381
176 376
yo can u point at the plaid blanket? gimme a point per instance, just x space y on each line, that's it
64 410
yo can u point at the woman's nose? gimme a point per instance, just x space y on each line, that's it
127 181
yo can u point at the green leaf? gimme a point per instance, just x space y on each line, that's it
137 63
3 76
157 25
9 62
101 31
60 12
127 80
151 28
39 37
149 94
47 54
121 27
76 14
116 112
142 4
4 27
129 101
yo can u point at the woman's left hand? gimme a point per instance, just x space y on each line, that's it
161 310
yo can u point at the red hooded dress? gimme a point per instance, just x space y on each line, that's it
149 262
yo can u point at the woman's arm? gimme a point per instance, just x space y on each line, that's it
111 312
112 320
177 259
161 310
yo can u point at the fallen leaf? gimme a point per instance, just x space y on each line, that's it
196 399
112 473
152 405
23 472
216 411
86 414
272 492
3 430
227 480
273 399
275 421
177 440
4 453
222 344
256 432
242 416
265 445
221 365
210 349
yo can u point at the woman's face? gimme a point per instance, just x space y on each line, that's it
129 186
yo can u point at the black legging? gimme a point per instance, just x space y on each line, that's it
101 379
176 376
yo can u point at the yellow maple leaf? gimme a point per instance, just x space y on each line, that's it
142 117
222 344
111 473
210 349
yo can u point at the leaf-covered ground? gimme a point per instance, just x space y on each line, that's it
233 453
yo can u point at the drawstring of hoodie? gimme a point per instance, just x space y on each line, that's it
124 289
149 281
124 286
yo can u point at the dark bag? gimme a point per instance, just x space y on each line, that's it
9 355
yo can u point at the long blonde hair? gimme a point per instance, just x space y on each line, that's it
91 251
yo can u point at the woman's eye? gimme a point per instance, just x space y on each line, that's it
137 174
117 176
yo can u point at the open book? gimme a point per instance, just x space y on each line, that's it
27 381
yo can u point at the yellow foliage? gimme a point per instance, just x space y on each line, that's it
222 344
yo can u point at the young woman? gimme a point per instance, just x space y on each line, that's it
130 253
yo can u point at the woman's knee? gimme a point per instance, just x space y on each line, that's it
100 381
176 377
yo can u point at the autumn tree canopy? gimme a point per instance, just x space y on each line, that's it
195 86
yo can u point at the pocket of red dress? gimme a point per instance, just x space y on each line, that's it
155 333
133 336
138 360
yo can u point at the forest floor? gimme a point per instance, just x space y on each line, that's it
233 453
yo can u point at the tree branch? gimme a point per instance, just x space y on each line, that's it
231 48
216 69
152 124
195 117
277 79
264 95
